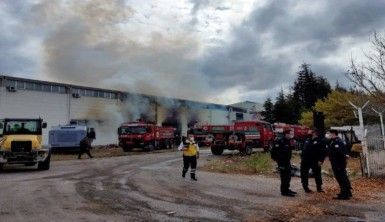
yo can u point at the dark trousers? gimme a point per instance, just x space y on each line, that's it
189 161
342 179
81 152
305 167
285 174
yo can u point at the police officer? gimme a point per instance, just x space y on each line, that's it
312 157
281 153
338 155
190 155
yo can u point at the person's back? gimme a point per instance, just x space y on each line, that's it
338 158
314 150
312 157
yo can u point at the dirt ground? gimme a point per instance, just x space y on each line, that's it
148 187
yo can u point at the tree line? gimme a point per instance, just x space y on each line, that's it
313 92
306 90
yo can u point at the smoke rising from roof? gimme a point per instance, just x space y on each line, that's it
93 43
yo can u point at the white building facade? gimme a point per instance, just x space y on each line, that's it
104 109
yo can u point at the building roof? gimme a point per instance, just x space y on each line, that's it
249 105
159 99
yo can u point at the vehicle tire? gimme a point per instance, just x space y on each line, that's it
1 167
127 148
216 150
170 143
248 150
300 145
150 147
45 164
269 146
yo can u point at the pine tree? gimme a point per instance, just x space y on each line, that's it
280 108
309 87
268 112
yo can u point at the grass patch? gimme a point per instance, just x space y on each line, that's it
261 163
257 163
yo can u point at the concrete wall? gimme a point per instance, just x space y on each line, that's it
51 107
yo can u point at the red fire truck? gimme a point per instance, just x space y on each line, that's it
299 133
201 135
218 136
145 135
242 136
266 133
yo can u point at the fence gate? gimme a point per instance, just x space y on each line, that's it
376 156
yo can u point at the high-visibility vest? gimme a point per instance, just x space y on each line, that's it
191 150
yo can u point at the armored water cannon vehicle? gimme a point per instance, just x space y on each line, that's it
67 137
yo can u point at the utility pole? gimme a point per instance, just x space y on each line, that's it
382 125
363 142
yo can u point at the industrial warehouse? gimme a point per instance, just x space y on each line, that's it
105 110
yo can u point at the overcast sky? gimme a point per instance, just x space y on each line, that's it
221 51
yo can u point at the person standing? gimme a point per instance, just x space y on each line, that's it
312 157
190 155
338 155
281 153
85 147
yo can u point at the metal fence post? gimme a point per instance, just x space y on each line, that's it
363 142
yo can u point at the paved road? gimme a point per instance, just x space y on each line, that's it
148 188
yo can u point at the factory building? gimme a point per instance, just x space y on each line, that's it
105 109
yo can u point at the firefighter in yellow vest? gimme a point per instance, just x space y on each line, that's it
190 155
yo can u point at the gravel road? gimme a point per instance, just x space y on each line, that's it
149 187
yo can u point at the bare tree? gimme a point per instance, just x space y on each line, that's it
370 76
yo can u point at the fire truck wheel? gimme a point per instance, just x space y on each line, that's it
169 143
216 150
150 147
269 146
299 145
126 148
248 150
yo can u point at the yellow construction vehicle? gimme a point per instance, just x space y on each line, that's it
21 143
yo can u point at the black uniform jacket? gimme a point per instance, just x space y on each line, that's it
314 151
281 151
337 152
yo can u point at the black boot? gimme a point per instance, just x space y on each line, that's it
287 194
184 173
193 177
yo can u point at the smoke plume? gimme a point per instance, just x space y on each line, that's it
95 43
